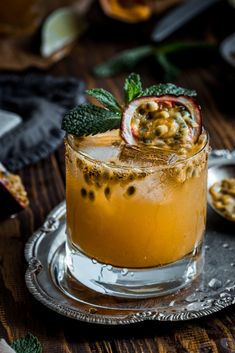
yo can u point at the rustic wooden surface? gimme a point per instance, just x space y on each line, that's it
20 312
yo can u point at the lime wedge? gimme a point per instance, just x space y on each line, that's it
61 28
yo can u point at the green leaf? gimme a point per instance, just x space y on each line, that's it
132 87
106 98
124 61
128 59
180 47
168 88
27 344
170 70
88 119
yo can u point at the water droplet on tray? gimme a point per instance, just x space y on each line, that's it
191 298
124 271
195 297
109 267
194 306
232 264
208 303
94 261
225 245
224 295
207 247
215 283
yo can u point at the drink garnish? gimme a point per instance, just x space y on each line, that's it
161 115
166 121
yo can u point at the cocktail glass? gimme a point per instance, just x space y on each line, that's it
135 216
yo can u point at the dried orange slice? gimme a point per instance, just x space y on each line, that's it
168 122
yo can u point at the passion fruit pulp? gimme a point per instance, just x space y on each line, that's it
13 196
167 121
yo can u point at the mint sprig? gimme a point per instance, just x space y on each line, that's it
89 119
27 344
168 88
132 87
105 98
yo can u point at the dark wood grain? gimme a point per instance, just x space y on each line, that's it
19 311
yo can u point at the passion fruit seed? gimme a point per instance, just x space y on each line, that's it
83 193
161 130
164 114
130 190
172 131
91 195
107 192
150 106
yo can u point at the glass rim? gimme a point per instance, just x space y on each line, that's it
136 167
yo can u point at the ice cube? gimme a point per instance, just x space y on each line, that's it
146 156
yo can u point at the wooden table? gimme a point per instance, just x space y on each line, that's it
20 312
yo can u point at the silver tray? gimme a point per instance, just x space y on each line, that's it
47 280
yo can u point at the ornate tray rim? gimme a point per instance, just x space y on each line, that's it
51 224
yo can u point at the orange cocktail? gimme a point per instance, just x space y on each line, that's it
136 195
132 214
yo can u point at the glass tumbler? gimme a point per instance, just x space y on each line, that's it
134 229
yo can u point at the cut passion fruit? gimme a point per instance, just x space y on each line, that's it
168 122
12 194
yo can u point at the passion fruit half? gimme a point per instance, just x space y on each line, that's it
13 197
168 122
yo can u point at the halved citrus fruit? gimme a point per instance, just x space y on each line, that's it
167 121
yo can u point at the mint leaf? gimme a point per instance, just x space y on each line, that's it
167 88
132 87
27 344
88 119
106 98
124 61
